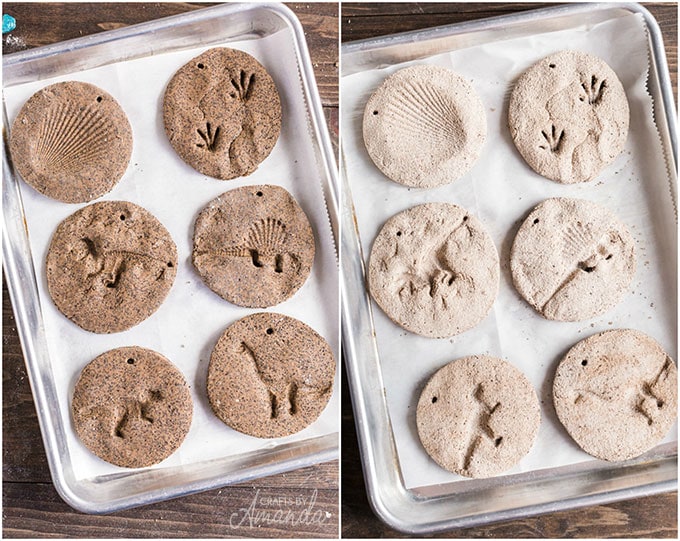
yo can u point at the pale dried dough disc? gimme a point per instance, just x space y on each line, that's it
254 246
131 407
270 375
434 270
572 259
616 393
71 141
424 126
568 116
222 113
478 416
110 265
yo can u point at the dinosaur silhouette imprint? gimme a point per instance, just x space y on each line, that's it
284 390
109 265
427 267
647 397
137 410
482 429
265 244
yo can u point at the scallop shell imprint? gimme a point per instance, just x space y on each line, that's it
71 141
424 127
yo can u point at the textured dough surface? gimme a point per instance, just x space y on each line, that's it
616 393
434 270
478 416
254 246
572 259
131 407
71 141
424 126
110 265
222 113
270 375
568 116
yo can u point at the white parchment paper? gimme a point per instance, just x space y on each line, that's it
187 325
500 190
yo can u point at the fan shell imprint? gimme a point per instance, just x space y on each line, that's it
71 141
424 127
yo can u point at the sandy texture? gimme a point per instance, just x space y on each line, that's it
71 141
572 259
424 126
568 116
270 375
616 393
222 113
478 416
253 246
434 270
110 265
131 407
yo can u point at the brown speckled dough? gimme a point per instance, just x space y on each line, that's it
424 126
131 407
110 265
478 416
71 141
222 113
434 270
572 259
568 116
270 375
253 246
616 393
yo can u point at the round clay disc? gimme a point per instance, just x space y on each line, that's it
616 393
568 116
110 265
434 270
253 246
572 259
270 375
424 126
131 407
71 141
478 416
222 113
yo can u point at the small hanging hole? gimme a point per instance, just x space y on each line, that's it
131 361
552 65
659 403
584 362
536 221
498 441
398 233
270 331
122 217
434 399
375 112
200 66
99 99
259 194
170 264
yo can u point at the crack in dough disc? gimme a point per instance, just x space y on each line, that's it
434 270
424 126
568 116
572 259
616 393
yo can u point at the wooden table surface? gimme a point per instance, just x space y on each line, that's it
31 506
654 516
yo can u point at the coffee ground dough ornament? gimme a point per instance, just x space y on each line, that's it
478 416
616 393
110 265
222 113
270 375
253 246
568 116
131 407
434 270
424 126
572 259
71 141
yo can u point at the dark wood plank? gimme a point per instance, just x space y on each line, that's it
655 516
31 506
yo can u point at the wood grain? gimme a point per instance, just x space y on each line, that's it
654 516
31 505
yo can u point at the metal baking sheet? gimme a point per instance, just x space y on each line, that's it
387 366
134 64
